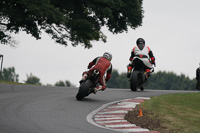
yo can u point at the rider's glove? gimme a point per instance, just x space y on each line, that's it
152 60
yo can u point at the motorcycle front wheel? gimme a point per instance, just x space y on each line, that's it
84 90
134 81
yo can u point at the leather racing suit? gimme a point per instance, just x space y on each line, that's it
137 53
104 66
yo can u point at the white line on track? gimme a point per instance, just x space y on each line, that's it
124 125
113 112
109 117
115 121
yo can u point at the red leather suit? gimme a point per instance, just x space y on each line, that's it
104 66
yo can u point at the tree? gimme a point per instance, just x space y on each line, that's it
118 80
31 79
68 84
62 83
78 21
170 81
157 81
9 74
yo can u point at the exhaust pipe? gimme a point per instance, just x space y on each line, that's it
96 72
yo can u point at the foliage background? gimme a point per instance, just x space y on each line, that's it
160 80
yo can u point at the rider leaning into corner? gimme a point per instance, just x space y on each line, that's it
141 50
103 64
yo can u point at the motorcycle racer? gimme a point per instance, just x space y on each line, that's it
144 53
103 64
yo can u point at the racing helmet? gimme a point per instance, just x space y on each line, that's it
140 43
108 56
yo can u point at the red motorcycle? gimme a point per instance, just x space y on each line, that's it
87 87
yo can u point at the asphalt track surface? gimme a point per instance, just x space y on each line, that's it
41 109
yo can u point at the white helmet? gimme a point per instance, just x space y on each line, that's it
108 56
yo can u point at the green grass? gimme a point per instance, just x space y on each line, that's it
179 113
9 82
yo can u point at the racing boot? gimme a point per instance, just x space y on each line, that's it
129 72
147 73
84 77
99 88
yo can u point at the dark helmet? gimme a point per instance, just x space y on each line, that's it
108 56
140 43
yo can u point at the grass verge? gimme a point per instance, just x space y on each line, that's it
177 112
9 82
174 113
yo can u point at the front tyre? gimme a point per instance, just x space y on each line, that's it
134 81
84 90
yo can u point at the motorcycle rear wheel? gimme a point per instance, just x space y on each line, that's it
84 90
